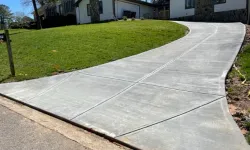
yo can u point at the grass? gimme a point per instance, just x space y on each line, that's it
39 53
244 62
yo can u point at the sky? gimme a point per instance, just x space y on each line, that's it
16 6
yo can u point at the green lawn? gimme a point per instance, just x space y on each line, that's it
39 53
244 62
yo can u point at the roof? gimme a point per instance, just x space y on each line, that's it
135 1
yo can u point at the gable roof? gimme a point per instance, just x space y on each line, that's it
135 1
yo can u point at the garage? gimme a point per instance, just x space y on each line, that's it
126 6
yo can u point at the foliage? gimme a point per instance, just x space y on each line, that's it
161 2
5 11
20 21
37 52
133 19
244 62
125 18
40 2
248 138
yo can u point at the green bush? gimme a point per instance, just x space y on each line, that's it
248 138
247 126
133 19
125 18
142 18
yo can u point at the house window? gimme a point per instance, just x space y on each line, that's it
88 10
100 8
220 1
189 4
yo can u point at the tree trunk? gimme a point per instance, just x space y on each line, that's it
38 19
94 9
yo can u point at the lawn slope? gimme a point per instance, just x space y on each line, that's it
39 53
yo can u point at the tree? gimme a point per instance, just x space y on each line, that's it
5 15
38 19
20 21
27 19
35 3
18 17
5 11
160 2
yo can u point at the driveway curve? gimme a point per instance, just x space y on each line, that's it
171 97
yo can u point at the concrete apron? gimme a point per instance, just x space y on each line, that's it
171 97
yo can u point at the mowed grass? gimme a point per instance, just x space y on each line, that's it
39 53
243 62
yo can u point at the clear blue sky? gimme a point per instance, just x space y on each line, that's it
16 6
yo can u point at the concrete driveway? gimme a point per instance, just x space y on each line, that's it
171 97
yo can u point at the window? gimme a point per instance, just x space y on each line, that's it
219 1
100 8
88 10
189 4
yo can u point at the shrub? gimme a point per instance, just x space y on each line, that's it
248 138
125 18
133 19
247 125
142 18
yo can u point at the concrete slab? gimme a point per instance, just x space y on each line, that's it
197 67
123 69
219 56
160 99
216 131
140 106
217 47
32 88
226 37
77 94
187 81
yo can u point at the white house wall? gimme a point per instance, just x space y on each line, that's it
146 11
141 10
82 15
107 10
125 5
177 9
120 6
230 5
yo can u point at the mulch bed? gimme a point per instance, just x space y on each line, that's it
238 96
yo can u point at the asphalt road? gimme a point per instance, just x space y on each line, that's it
20 133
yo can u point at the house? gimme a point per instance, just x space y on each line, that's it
209 10
87 11
60 8
112 9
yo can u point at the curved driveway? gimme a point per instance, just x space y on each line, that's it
171 97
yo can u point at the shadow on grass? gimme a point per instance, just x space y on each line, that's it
19 32
5 78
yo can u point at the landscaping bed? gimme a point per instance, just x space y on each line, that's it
46 52
238 88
